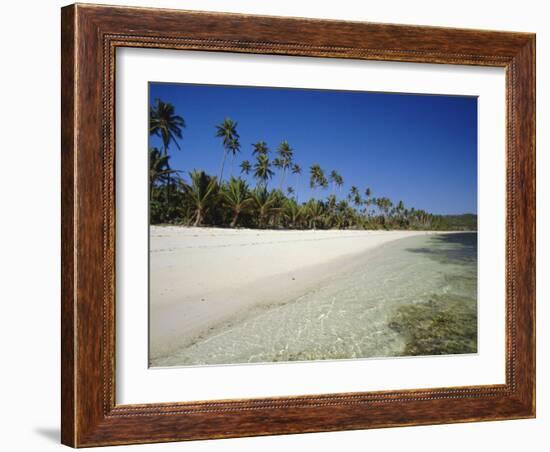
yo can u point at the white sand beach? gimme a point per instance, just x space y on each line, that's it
202 277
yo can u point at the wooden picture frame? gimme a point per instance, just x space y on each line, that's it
90 36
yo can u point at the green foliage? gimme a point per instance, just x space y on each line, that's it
262 169
336 179
245 167
354 196
260 148
466 222
159 168
317 177
166 204
163 122
200 194
207 200
315 213
293 213
227 131
236 197
264 203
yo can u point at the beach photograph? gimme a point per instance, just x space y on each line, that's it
291 224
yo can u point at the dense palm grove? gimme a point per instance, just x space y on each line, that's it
200 199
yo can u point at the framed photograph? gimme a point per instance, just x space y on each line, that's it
281 225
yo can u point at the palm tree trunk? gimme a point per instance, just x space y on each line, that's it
223 164
198 218
168 180
234 220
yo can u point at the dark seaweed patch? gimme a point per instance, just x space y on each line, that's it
442 325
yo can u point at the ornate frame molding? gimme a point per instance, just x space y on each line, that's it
90 37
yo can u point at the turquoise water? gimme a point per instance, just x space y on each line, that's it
355 315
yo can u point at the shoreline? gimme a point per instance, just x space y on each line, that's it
202 278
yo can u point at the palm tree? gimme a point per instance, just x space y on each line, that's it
406 214
422 217
164 123
159 168
285 151
368 201
227 131
262 169
279 200
330 206
279 164
336 179
290 191
260 148
355 196
246 167
160 186
234 147
297 170
236 195
374 202
315 212
264 203
317 177
345 215
384 204
331 202
200 194
292 212
400 209
286 154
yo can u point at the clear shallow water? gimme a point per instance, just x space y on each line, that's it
349 316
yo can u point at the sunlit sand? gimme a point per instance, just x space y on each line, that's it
204 277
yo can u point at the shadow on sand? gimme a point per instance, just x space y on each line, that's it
451 248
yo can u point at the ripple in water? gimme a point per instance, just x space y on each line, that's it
413 296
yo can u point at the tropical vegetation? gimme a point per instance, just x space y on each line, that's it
196 198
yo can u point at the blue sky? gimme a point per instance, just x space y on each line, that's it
420 149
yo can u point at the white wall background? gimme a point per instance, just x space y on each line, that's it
29 118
